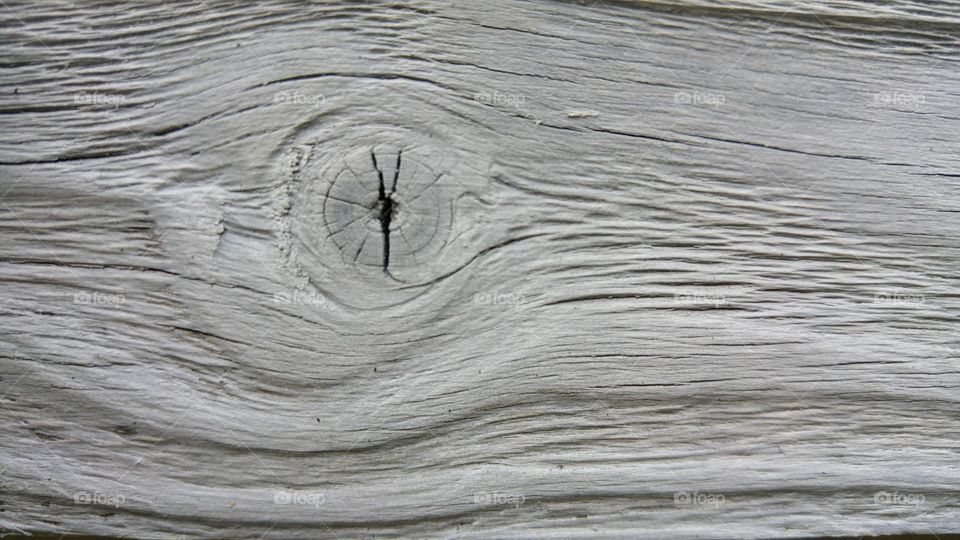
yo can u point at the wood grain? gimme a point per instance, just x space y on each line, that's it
683 268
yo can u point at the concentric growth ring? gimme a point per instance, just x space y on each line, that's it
383 208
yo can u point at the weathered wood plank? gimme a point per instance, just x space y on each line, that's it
638 252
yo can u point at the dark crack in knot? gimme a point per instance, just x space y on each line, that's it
388 205
351 216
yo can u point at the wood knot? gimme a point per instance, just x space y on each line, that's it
384 209
381 210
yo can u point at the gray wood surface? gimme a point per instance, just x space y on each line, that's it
683 268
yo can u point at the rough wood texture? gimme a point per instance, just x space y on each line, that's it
655 268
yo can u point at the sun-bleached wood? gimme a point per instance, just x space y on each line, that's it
683 268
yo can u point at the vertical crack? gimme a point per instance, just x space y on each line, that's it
396 172
387 205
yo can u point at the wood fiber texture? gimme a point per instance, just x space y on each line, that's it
678 268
